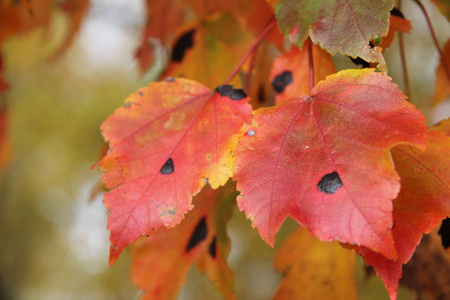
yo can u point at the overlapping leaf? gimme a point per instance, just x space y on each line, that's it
339 26
324 160
167 141
290 72
162 260
315 270
424 200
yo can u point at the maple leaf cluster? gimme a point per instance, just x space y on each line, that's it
344 154
250 92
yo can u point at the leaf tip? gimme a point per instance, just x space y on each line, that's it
114 254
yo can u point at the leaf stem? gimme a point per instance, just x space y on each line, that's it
433 35
263 33
401 42
311 65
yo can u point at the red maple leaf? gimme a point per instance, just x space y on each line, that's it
324 160
167 141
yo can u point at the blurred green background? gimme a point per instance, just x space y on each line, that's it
53 240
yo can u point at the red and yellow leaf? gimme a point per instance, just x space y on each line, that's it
344 27
442 85
314 269
290 72
167 141
162 260
424 200
324 160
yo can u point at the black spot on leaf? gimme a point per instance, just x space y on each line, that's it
184 43
280 82
169 79
168 167
329 183
359 61
199 234
229 91
396 12
444 232
141 93
212 247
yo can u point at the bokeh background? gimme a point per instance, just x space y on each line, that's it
53 238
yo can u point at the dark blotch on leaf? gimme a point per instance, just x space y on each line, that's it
199 234
141 93
185 42
280 82
168 167
229 91
329 183
212 247
396 12
444 232
359 61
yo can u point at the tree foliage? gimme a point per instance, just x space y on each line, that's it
250 93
